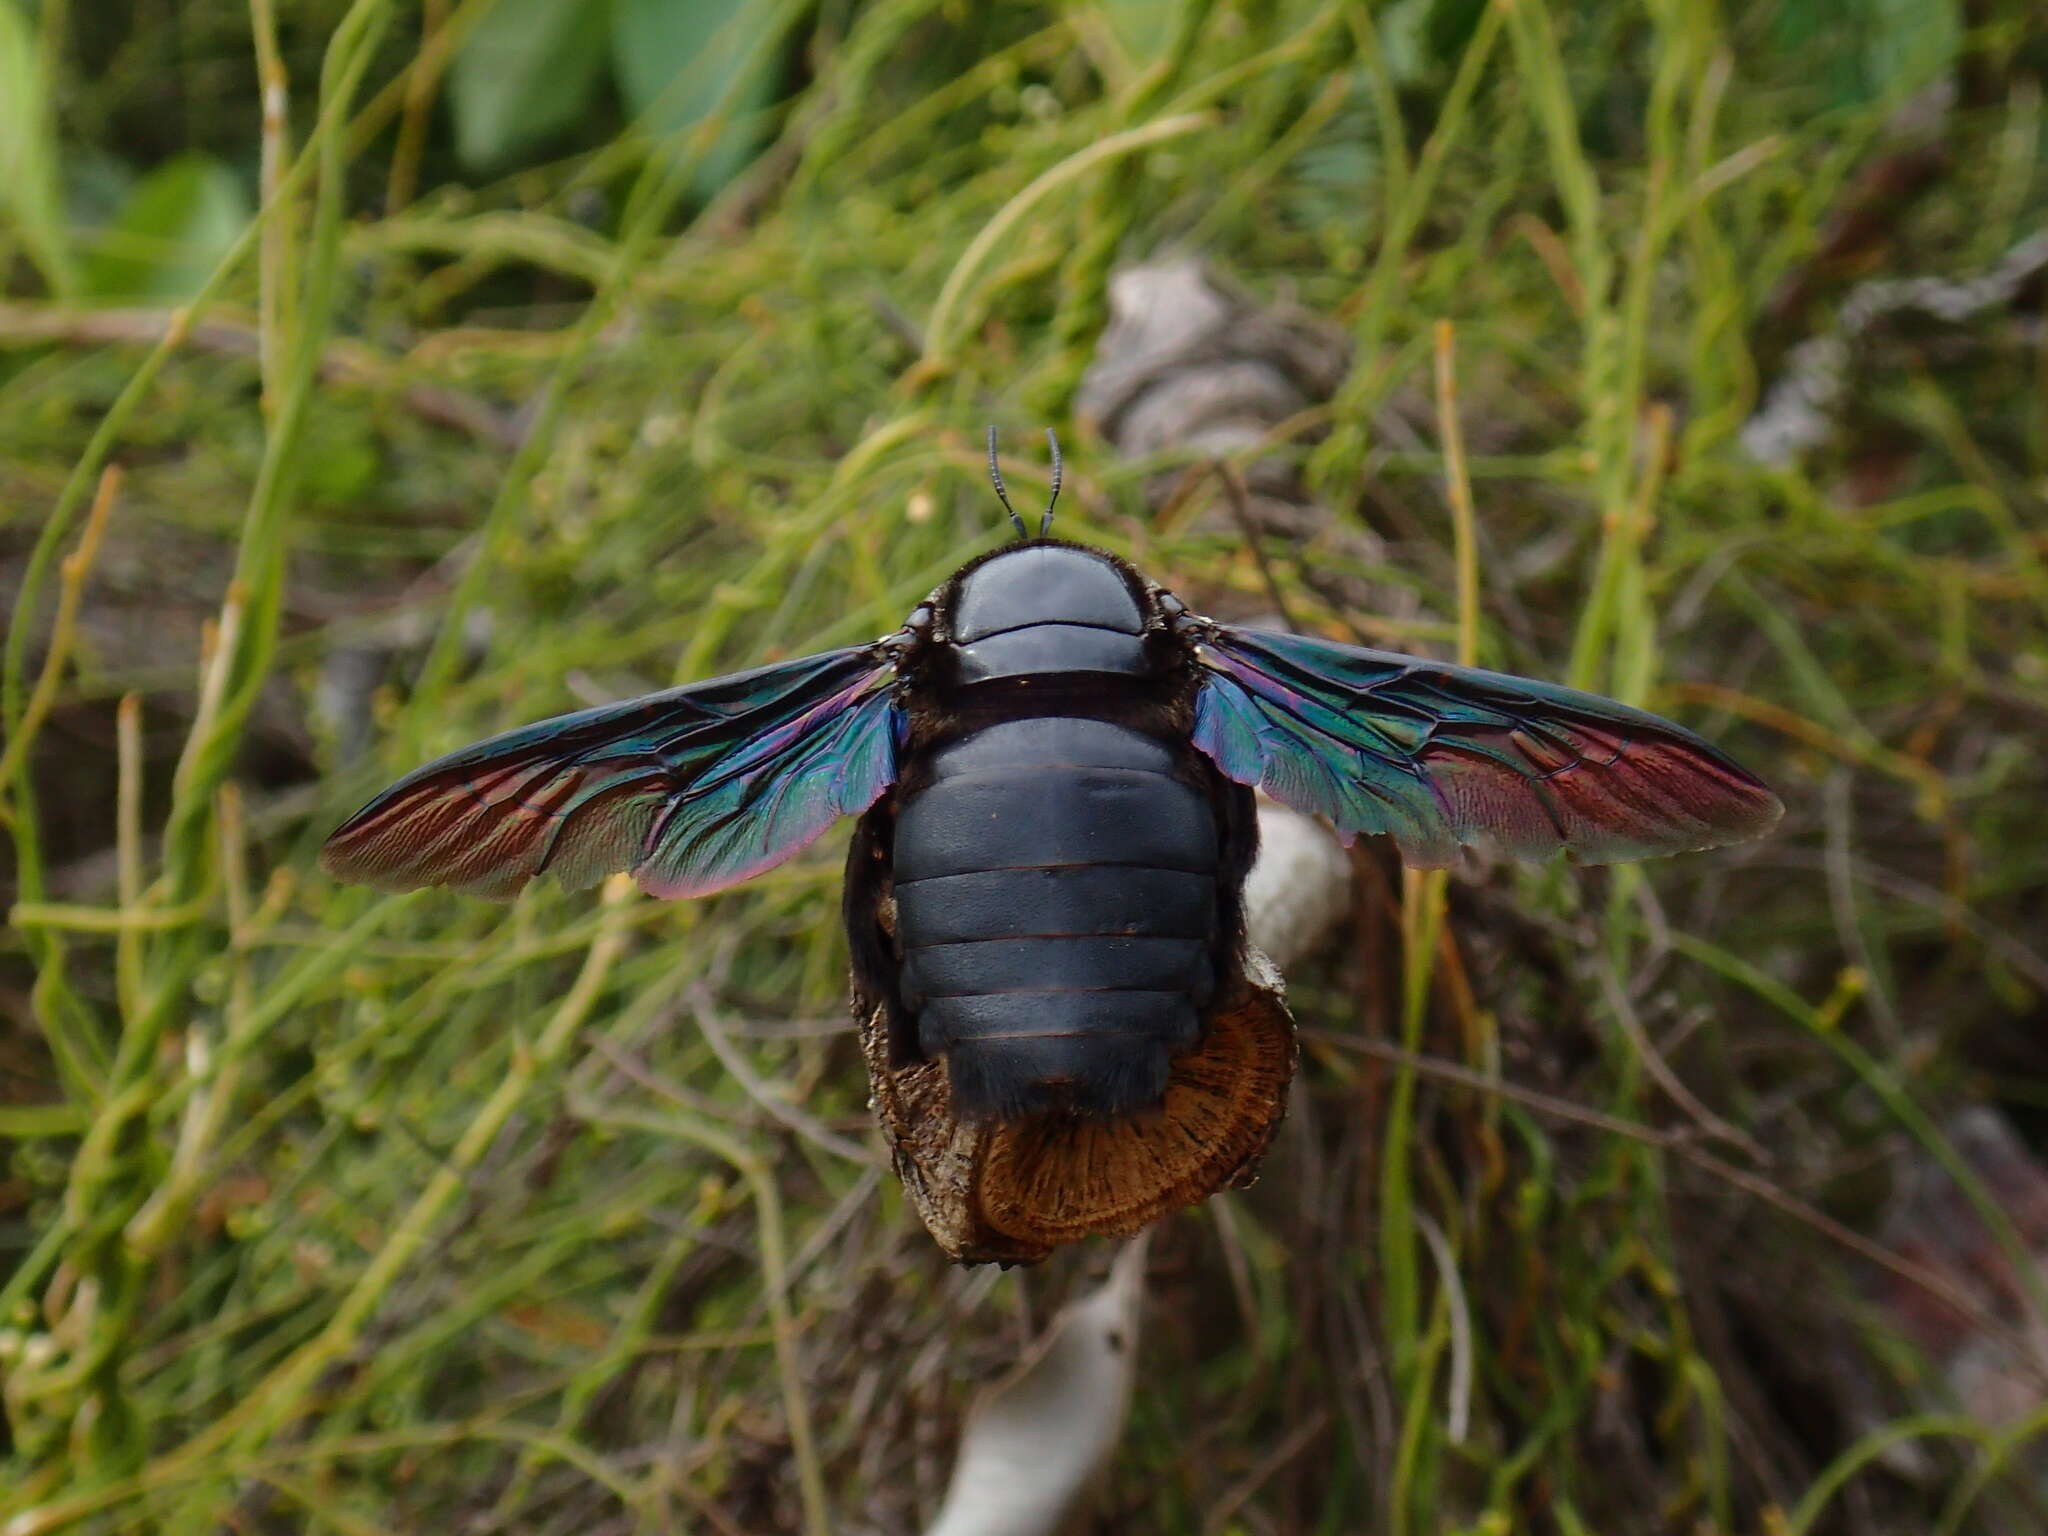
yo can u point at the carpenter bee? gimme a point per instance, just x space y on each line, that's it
1053 762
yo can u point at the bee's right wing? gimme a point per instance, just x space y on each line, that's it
693 789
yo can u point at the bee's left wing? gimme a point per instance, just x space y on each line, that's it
1437 755
693 789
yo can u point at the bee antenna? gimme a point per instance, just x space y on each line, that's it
1045 522
995 476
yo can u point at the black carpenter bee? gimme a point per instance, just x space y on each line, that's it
1053 763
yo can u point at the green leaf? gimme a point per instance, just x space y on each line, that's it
1865 51
675 62
526 73
1404 40
1144 27
1908 44
171 231
30 207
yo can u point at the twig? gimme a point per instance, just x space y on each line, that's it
1659 1069
71 578
128 950
420 81
274 254
1239 496
774 1265
436 48
1764 1189
1458 487
2015 952
939 326
1459 1408
1301 1439
342 362
778 1108
1865 219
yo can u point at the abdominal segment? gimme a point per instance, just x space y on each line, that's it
1056 909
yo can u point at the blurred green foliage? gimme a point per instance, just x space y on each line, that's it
169 233
582 349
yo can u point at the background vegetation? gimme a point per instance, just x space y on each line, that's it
578 349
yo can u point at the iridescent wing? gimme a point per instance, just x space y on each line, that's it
1437 756
693 789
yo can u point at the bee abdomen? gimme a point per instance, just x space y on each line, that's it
1057 907
1008 1078
1096 963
